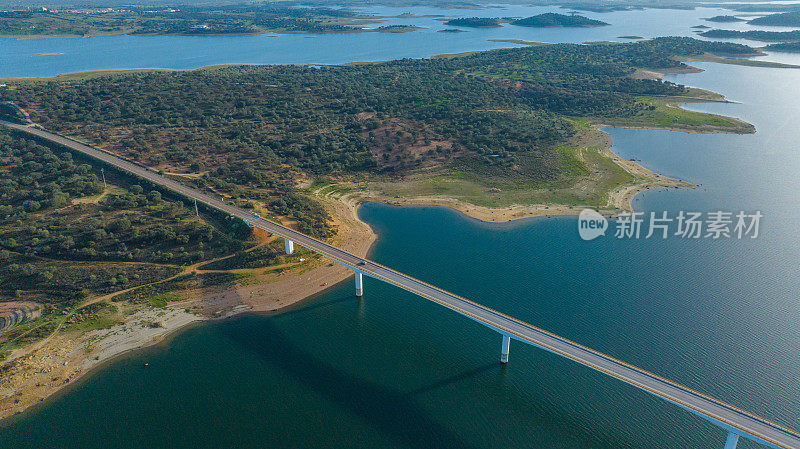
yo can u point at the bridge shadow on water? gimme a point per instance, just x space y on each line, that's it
494 366
392 412
396 413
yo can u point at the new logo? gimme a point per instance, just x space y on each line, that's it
591 224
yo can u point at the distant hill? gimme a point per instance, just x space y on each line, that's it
793 47
558 20
474 22
786 19
724 19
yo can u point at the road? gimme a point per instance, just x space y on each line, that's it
725 415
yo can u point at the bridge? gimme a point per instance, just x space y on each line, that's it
735 421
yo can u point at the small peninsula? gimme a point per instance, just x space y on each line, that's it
786 19
791 47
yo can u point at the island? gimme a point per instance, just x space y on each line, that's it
558 20
96 262
786 19
474 22
397 28
724 19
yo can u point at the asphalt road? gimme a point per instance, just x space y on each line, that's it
727 416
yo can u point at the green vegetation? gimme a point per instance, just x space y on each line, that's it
666 113
465 182
755 35
397 28
67 282
786 19
474 22
43 213
741 61
793 47
188 20
502 112
259 257
558 20
159 294
65 241
724 19
101 315
542 20
11 114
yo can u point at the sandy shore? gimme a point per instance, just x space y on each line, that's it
62 359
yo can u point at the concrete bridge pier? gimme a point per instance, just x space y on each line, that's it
504 351
359 284
731 441
288 245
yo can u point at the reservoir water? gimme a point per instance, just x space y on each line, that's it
28 57
395 371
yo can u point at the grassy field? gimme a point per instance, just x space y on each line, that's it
588 176
667 113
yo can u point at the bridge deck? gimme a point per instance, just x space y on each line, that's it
732 418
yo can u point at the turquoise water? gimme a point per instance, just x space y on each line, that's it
394 370
19 58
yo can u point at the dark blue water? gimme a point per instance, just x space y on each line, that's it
19 58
